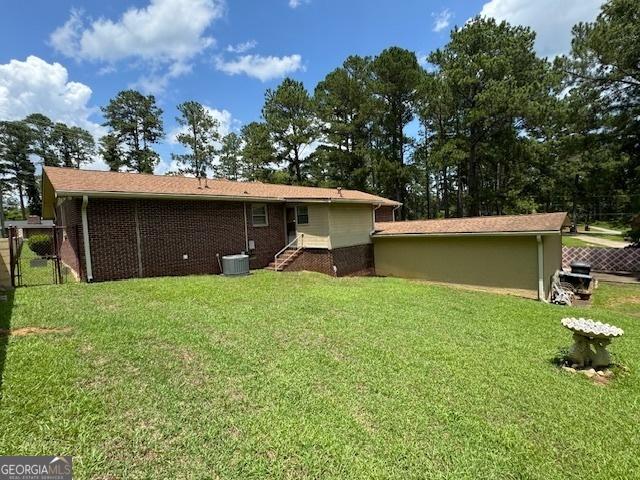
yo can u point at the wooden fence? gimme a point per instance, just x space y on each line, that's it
604 259
5 264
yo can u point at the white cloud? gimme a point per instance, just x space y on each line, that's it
262 68
156 82
297 3
164 30
242 47
37 86
552 20
441 20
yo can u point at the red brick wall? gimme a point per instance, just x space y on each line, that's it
170 229
112 239
384 214
71 251
270 239
312 260
356 260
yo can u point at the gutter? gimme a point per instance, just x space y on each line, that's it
373 218
393 212
195 196
85 238
468 234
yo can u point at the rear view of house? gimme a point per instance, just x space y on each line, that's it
125 225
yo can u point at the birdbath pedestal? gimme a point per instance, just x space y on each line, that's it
588 334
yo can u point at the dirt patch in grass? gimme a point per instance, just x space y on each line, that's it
23 332
625 304
631 300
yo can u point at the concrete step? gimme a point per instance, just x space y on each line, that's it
285 259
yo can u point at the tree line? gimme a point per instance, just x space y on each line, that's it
484 126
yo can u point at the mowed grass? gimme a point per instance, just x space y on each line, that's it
305 376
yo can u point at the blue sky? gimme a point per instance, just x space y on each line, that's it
66 58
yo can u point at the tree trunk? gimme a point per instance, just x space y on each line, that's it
473 181
459 205
445 191
296 165
20 194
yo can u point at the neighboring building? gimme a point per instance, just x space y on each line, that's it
125 225
519 254
34 225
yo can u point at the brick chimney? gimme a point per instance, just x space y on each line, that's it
34 219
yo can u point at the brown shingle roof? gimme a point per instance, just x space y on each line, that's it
540 222
73 181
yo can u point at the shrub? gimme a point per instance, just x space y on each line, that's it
41 244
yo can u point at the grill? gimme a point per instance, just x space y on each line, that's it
581 268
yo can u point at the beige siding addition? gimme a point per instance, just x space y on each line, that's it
316 232
350 225
5 265
509 262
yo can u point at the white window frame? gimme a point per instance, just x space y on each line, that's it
298 215
253 215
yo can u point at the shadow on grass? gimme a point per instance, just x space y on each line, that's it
6 307
561 357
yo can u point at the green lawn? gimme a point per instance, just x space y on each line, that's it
305 376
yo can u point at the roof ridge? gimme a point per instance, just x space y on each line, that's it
212 179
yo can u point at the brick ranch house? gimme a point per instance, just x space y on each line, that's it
125 225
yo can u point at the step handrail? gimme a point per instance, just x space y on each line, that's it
299 247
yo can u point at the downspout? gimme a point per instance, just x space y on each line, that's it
373 217
541 295
85 238
246 229
393 212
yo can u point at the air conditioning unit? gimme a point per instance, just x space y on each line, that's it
234 265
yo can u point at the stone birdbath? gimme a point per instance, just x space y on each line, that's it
588 334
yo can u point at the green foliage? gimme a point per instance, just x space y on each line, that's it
75 146
488 91
289 114
136 121
110 152
15 166
604 68
258 153
345 106
229 159
396 76
199 134
41 244
43 144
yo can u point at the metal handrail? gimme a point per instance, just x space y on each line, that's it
298 248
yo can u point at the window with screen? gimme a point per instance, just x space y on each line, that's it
303 215
259 215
